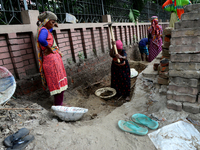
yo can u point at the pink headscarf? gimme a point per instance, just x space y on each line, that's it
119 44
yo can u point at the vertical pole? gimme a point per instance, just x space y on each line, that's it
102 7
25 5
138 32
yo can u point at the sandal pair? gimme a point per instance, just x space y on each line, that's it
133 127
18 140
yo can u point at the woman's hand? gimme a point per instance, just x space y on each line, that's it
122 64
113 42
55 24
48 50
118 56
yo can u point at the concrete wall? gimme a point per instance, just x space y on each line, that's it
85 47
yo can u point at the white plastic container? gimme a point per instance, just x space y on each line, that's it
69 113
134 73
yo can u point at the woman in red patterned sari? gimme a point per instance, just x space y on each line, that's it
52 70
154 36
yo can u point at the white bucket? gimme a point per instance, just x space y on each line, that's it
69 113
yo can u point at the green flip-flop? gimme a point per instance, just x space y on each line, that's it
144 120
131 127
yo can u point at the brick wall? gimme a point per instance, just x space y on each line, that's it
85 53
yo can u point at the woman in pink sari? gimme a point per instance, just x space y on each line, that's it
155 38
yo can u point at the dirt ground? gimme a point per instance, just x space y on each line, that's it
98 127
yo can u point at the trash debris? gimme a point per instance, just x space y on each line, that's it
180 135
193 121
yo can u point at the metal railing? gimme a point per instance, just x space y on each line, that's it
86 11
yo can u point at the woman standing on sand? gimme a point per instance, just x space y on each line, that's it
51 65
154 37
120 72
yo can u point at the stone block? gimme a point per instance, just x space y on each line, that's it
181 98
190 8
179 81
171 104
163 89
167 31
185 58
190 16
187 24
186 40
162 81
191 108
183 89
185 74
186 32
173 49
184 66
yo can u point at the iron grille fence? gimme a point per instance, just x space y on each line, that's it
85 10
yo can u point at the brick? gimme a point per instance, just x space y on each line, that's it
162 81
15 47
4 55
191 108
3 43
17 59
13 41
8 66
12 35
30 50
165 53
182 89
2 37
25 46
164 75
27 40
181 98
166 44
19 65
1 62
59 36
3 49
28 56
7 61
16 53
171 104
185 74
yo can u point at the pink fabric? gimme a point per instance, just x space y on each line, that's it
119 44
154 50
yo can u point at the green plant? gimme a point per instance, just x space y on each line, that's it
69 60
133 15
81 56
95 52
